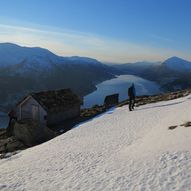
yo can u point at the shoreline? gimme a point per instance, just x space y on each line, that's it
88 114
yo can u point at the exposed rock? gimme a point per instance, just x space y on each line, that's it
91 112
25 134
14 144
7 155
10 144
31 133
142 100
172 127
3 144
3 134
187 124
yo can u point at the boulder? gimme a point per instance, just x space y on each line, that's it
3 144
32 133
3 134
10 144
13 144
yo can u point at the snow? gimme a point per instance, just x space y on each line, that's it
119 150
24 54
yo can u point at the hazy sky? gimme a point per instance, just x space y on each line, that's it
109 30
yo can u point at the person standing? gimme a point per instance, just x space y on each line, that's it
132 95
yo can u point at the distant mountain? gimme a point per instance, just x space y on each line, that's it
12 54
172 74
24 69
177 64
137 68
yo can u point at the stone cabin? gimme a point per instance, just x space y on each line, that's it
111 100
49 107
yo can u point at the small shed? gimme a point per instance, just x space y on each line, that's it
49 107
111 100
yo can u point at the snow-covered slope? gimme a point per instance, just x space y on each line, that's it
119 150
177 64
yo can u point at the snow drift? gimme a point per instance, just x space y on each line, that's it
119 150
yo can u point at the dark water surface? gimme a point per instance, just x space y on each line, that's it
120 85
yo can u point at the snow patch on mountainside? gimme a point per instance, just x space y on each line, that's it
119 150
12 54
35 58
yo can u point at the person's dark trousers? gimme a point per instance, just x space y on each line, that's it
131 103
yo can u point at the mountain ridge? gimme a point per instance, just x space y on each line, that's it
29 69
178 64
24 69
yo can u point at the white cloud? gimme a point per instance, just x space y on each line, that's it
67 43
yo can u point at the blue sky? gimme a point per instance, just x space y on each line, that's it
109 30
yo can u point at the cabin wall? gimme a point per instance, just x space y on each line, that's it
111 100
27 108
58 117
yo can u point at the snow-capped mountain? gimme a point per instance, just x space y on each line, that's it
24 69
12 54
29 58
177 64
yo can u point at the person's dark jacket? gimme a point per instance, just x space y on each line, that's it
131 92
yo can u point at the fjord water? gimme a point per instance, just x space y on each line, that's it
120 85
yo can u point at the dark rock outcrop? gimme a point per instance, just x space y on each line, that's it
172 127
21 135
31 133
11 144
187 124
3 134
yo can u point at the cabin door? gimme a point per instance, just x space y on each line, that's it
35 112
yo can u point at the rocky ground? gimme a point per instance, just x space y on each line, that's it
18 141
22 135
9 144
142 100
